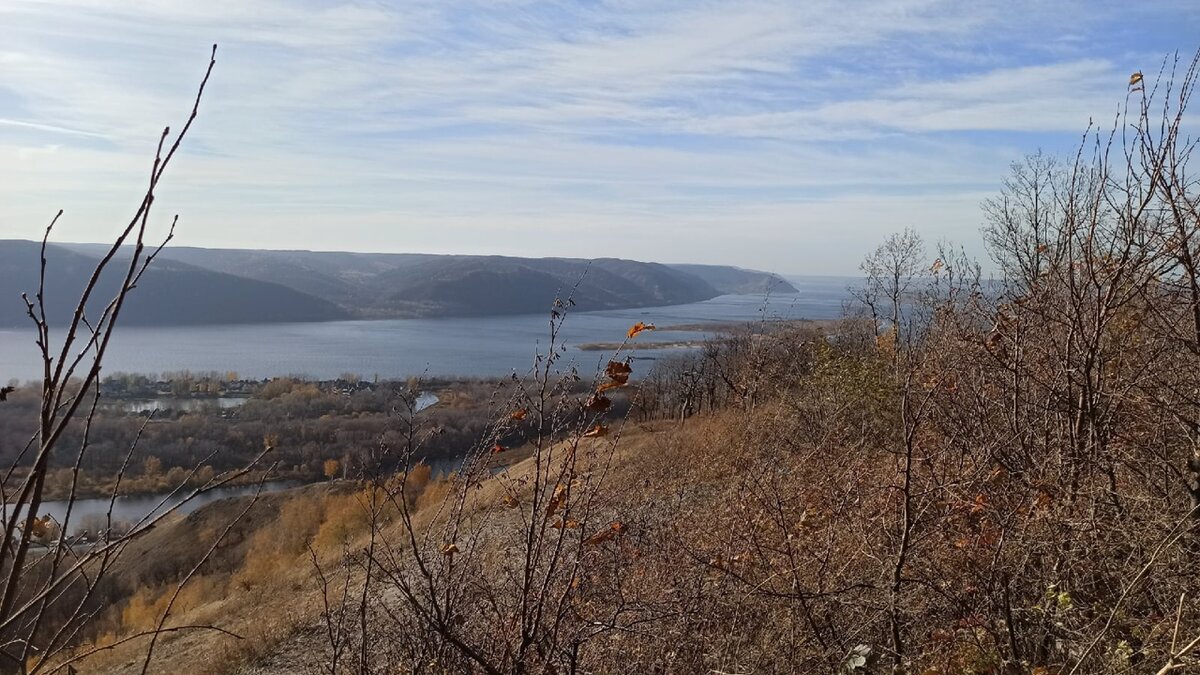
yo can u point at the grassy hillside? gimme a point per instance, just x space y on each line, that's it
787 502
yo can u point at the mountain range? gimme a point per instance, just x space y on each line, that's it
193 286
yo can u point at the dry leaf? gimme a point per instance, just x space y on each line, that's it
614 528
40 526
596 431
638 328
1135 78
497 449
615 369
520 414
449 549
598 403
610 385
557 500
511 502
600 537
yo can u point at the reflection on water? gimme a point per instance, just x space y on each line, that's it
136 406
191 405
424 400
92 514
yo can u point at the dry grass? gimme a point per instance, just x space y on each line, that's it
263 590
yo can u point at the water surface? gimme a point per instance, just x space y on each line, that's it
475 346
91 514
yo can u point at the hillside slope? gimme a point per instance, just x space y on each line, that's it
736 280
171 292
404 285
201 285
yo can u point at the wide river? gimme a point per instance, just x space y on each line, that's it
487 346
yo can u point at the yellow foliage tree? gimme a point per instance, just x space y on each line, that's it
332 466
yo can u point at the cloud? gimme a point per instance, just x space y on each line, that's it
619 127
50 128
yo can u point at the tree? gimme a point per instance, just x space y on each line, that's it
152 466
331 468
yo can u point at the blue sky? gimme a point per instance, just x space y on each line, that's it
789 136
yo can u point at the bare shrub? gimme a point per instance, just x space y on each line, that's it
50 594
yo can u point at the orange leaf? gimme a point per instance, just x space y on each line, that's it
449 549
614 528
497 449
596 431
609 385
40 526
511 502
638 328
557 500
520 414
1135 78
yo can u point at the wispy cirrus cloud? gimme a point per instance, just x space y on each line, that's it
766 133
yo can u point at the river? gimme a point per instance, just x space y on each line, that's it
464 347
91 513
476 346
138 406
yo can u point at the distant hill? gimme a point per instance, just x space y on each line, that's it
170 293
738 281
199 285
405 285
488 285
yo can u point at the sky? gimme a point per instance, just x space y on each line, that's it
790 136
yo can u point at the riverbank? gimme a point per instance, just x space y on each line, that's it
640 346
712 331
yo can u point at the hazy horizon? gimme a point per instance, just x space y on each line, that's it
786 137
782 273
